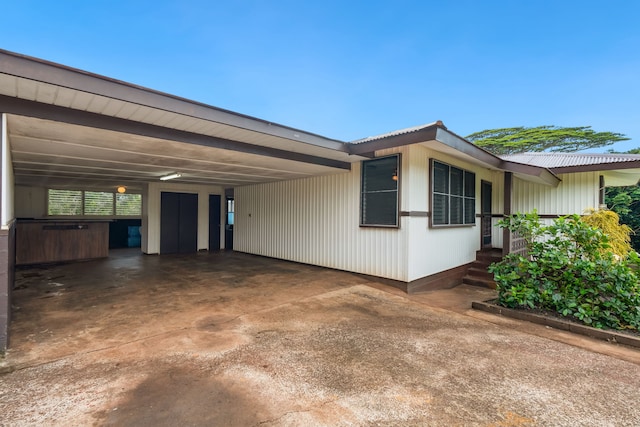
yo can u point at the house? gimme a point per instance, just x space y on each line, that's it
411 207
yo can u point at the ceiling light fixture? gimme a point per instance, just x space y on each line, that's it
172 176
122 189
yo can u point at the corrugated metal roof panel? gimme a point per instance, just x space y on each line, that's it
562 160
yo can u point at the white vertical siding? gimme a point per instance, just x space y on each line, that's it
316 221
432 250
576 193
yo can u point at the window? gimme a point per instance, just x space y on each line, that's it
128 204
98 203
92 203
230 211
64 202
453 195
379 197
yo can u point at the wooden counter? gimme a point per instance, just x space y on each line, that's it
44 241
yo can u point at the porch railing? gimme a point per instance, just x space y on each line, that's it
518 244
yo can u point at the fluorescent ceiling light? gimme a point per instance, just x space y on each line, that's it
172 176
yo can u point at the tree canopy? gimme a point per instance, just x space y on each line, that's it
543 138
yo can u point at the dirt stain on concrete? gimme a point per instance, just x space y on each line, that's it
196 398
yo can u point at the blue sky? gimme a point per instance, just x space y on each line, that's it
351 69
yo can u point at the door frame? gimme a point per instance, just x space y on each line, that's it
486 226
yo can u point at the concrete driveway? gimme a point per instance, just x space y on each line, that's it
237 340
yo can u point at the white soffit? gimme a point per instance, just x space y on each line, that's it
621 178
46 93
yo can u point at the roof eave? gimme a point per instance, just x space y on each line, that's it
598 167
39 70
543 175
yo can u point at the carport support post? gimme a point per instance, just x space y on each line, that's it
6 283
7 239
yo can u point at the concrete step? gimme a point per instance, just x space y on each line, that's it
476 281
480 272
489 256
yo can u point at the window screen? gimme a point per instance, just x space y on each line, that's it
379 197
453 195
98 203
128 204
92 203
64 202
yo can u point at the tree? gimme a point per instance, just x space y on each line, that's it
542 138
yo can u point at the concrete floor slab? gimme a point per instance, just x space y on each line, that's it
233 339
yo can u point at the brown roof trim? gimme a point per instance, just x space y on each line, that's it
435 132
438 132
60 75
599 167
23 107
459 143
370 147
544 174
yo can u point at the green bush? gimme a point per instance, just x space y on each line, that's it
569 269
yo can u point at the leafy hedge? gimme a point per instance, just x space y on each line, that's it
569 269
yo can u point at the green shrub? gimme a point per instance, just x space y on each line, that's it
570 269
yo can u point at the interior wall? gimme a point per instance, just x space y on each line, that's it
151 213
30 202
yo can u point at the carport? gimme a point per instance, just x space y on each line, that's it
64 128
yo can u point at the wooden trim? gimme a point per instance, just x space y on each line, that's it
462 145
635 164
601 192
484 183
443 280
537 171
417 214
370 147
84 118
508 194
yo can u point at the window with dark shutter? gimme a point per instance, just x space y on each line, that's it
453 195
379 192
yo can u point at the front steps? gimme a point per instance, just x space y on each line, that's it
477 274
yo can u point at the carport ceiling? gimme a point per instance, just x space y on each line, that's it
48 153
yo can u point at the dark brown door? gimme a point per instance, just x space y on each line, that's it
178 223
485 214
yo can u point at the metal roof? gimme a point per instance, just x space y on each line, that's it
572 160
